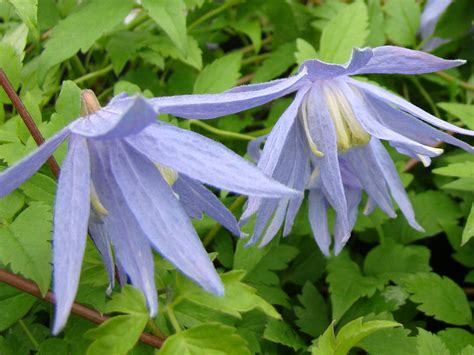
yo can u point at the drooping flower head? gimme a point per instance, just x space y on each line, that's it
328 139
133 182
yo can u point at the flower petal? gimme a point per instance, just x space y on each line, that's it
317 214
254 148
404 105
161 217
120 118
353 199
193 193
322 131
266 208
276 222
217 105
399 60
430 16
394 183
14 176
132 248
71 216
205 160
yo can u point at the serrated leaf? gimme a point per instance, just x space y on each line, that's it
465 169
468 231
10 62
170 15
448 304
389 342
277 63
14 305
464 112
10 205
252 29
349 336
347 284
119 334
304 51
25 246
282 333
403 20
336 41
313 317
69 36
238 297
40 188
429 344
210 338
456 339
27 10
220 75
376 37
391 261
123 45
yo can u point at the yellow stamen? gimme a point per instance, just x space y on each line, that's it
170 175
96 204
304 118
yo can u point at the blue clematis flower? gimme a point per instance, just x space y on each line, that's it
428 20
328 139
134 182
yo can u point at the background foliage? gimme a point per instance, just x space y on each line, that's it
286 296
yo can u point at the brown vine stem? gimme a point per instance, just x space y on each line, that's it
78 309
25 115
29 286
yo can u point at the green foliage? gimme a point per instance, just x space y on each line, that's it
348 336
403 19
226 69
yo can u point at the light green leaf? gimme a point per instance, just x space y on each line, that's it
10 205
17 39
14 305
70 36
462 111
337 41
448 304
252 29
468 231
465 169
276 64
349 336
10 62
403 19
376 36
313 317
304 51
209 338
429 344
238 297
282 333
170 15
393 341
391 261
123 45
27 10
25 245
220 75
456 339
41 188
119 334
347 284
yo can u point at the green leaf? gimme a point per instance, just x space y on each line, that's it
429 344
220 75
465 169
70 36
40 188
10 62
123 45
238 297
10 205
209 338
391 261
462 111
403 20
282 333
25 244
313 317
119 334
349 336
17 39
468 231
456 339
53 346
252 29
170 15
447 28
376 36
14 305
276 64
304 51
448 304
389 342
27 11
336 41
347 284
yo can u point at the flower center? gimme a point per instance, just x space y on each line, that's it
349 132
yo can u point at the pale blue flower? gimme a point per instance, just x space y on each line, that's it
428 20
327 140
133 181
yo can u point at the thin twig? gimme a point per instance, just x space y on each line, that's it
78 309
25 115
461 83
